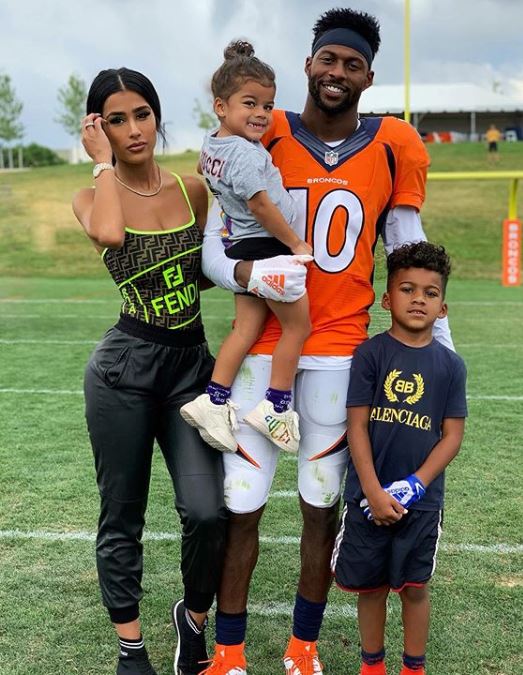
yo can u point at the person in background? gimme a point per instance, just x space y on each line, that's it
493 136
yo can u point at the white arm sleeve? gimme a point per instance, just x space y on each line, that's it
215 264
220 269
441 331
403 226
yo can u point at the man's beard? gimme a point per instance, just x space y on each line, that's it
350 100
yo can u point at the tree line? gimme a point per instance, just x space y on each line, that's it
71 98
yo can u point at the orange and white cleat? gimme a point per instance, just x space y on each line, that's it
227 660
301 658
374 669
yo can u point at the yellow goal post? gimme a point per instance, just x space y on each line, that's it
511 247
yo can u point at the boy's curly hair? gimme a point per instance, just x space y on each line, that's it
344 17
422 254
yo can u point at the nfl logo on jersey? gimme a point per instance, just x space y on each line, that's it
331 158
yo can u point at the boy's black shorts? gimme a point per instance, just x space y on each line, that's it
257 248
367 557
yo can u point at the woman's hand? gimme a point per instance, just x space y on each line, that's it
94 139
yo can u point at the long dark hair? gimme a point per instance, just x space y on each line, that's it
113 80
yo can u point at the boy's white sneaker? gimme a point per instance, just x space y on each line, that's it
280 428
216 423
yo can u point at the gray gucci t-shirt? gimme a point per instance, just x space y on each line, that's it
235 170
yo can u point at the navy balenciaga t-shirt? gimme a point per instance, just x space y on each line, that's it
410 391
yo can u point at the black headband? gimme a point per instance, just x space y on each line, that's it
347 38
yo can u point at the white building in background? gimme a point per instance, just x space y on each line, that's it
77 154
463 108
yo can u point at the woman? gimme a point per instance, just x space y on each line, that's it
147 224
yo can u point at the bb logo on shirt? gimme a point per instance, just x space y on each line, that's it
411 391
400 390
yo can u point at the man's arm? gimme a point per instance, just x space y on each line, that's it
237 275
403 225
215 264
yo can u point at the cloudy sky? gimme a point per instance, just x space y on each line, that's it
179 43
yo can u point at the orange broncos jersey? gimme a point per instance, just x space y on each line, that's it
342 196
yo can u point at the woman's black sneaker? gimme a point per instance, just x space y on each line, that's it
137 664
191 652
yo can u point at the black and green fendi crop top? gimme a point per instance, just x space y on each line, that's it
158 273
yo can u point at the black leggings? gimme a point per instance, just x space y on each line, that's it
134 389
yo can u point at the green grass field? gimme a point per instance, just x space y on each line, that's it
42 238
56 302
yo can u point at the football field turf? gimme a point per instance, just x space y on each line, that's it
52 621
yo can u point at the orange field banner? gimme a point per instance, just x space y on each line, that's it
511 271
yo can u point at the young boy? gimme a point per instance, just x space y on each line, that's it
406 416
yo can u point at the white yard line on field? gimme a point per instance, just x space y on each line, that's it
470 345
76 392
487 303
42 301
22 316
286 609
83 535
212 317
385 320
494 397
47 392
87 301
113 317
48 342
488 345
56 301
471 303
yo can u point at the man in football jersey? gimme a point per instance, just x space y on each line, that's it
352 180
